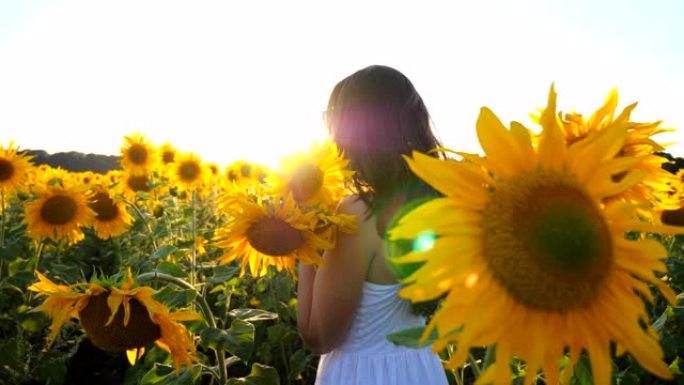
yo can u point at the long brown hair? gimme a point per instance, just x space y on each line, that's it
375 116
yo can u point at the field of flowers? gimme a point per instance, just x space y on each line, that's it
172 270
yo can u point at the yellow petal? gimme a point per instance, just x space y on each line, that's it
134 355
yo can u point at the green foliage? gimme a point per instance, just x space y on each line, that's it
253 329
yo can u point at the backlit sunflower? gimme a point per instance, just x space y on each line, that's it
523 235
316 176
653 191
138 156
187 172
264 234
58 212
242 174
14 169
111 216
167 154
132 184
118 319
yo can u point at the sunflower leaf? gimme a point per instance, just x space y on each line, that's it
163 251
251 315
238 340
260 375
411 337
171 269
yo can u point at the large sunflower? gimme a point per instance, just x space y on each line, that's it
523 235
138 156
264 234
118 319
654 191
316 176
111 216
14 169
58 212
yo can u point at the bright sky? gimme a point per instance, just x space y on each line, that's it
249 79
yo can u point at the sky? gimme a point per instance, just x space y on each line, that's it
232 80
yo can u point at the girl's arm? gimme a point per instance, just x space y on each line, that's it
327 297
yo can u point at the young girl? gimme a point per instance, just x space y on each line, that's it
348 306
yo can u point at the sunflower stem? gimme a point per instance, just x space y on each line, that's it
456 372
145 222
489 356
2 229
474 366
2 211
193 260
206 312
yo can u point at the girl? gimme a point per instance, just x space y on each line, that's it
348 306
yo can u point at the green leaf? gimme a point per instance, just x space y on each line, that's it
411 337
251 315
260 375
660 322
171 269
222 273
51 367
166 375
238 340
674 367
176 298
582 372
163 252
298 363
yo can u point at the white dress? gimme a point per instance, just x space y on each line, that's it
367 357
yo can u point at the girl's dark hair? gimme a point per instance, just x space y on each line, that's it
375 116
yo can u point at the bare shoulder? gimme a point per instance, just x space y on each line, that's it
353 205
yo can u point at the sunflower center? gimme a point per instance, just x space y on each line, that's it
274 237
116 337
104 207
138 183
189 171
168 157
58 210
546 242
6 169
245 170
137 153
305 182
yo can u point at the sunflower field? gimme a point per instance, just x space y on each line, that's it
555 257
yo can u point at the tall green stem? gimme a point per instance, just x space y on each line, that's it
145 222
193 260
2 211
204 306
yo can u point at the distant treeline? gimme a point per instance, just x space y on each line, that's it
76 161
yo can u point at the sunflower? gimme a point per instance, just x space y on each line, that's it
132 184
138 156
316 176
525 235
653 191
14 169
167 153
111 217
118 319
58 212
264 234
187 172
242 174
